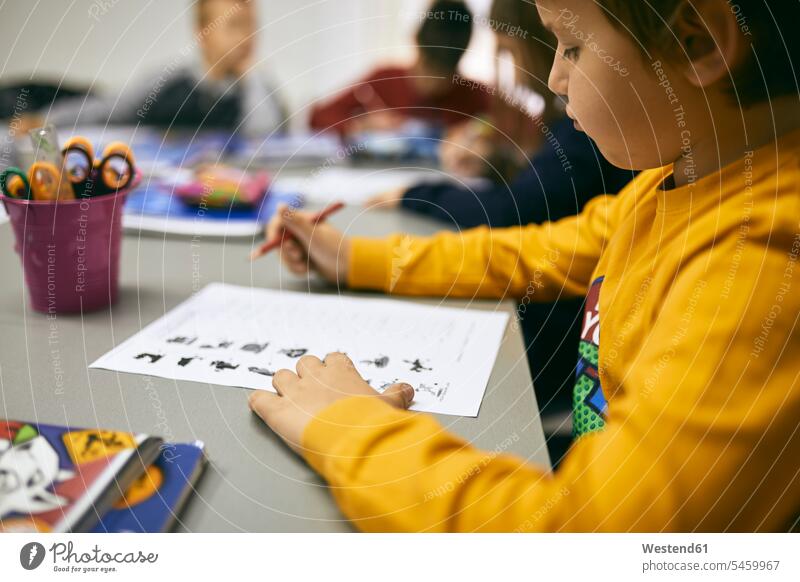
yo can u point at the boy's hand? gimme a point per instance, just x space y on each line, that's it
465 150
316 385
314 246
385 200
384 120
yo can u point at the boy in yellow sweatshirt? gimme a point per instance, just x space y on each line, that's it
687 396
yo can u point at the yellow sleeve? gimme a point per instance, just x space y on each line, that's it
703 436
391 470
711 400
543 261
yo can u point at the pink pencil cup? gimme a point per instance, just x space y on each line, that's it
69 250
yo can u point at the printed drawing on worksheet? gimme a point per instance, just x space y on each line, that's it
240 336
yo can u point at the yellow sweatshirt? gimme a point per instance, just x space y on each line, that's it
687 400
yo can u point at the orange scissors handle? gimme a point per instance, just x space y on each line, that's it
47 184
78 159
115 169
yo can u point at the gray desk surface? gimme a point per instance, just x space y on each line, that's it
253 482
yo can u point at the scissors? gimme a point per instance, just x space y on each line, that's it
46 183
14 183
90 177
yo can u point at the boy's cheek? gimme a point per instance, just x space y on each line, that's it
608 129
610 112
589 105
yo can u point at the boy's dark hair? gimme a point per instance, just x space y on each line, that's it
519 19
768 25
445 34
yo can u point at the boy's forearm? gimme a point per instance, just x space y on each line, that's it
392 470
447 264
544 262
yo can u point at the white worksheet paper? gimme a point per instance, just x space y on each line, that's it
240 336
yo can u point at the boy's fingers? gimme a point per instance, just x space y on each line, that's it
284 380
300 225
289 250
262 403
293 251
294 257
297 267
276 223
399 395
338 359
308 365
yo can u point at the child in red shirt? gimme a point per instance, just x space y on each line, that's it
428 90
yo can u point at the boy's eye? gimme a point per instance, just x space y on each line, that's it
571 53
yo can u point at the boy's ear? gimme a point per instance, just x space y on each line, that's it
710 39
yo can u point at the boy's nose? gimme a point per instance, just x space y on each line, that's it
557 82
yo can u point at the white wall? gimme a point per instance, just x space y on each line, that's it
310 46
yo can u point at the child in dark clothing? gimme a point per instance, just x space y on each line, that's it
564 169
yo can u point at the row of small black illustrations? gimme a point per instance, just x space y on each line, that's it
379 362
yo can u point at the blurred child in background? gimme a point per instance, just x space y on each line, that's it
563 170
219 88
392 94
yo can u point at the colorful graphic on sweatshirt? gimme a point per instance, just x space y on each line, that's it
589 406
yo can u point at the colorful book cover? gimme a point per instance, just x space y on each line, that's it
62 479
152 207
152 502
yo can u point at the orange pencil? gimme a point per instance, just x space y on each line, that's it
285 234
